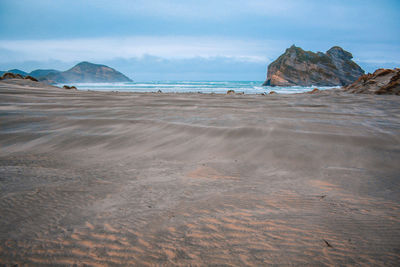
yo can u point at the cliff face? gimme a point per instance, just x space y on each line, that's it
382 81
87 72
306 68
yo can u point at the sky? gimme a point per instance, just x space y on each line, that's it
155 40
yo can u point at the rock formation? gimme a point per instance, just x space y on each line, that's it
306 68
382 81
86 72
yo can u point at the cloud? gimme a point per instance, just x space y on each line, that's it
150 67
260 19
127 47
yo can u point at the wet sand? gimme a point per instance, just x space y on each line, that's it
119 179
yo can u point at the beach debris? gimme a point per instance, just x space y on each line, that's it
230 92
327 244
159 91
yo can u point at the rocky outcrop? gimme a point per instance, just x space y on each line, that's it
306 68
382 81
86 72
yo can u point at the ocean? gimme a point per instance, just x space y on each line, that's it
220 87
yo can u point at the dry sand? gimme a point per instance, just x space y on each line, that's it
120 179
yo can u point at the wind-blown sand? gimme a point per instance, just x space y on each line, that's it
143 179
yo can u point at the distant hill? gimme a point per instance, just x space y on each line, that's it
15 71
42 72
306 68
86 72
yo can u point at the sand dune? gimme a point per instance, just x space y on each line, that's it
122 179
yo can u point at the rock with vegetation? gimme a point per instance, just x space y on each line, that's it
86 72
306 68
382 81
10 75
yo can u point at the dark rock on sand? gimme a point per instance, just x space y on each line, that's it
306 68
230 92
382 81
69 87
31 78
87 72
314 91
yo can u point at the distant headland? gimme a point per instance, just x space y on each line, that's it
80 73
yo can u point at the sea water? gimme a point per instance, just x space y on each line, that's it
220 87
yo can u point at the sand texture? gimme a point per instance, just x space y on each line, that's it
119 179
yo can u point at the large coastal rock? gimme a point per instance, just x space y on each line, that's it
382 81
306 68
86 72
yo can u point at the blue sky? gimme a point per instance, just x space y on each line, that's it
193 40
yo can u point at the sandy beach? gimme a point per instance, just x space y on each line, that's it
120 179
